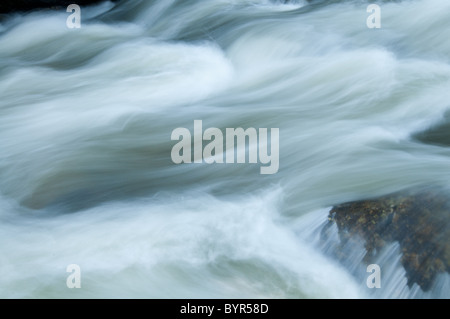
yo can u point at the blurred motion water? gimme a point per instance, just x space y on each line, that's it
86 117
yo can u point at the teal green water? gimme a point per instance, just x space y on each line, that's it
86 118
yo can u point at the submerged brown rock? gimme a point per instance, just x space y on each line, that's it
417 220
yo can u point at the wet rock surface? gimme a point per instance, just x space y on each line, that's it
418 220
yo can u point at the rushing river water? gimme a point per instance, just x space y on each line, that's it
86 117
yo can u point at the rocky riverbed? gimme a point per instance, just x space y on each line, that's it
417 219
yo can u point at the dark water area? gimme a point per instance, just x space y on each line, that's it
438 134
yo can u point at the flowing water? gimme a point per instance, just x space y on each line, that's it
86 117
